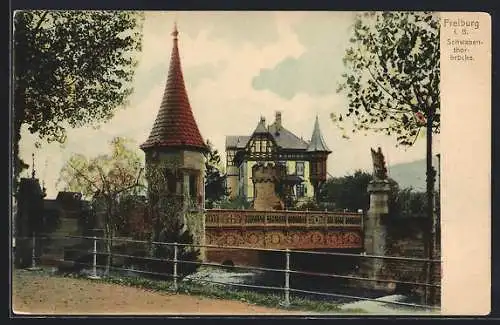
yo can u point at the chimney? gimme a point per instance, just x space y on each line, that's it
278 120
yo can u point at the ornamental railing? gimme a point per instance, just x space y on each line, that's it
282 218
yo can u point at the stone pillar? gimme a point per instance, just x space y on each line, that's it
375 231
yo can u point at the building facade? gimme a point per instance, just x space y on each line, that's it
305 161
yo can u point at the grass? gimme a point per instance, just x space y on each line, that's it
272 300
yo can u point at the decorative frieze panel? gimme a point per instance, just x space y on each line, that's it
285 239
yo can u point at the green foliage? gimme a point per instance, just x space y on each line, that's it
411 204
111 180
215 180
238 202
209 290
348 192
310 205
106 179
175 233
113 173
166 210
393 74
71 69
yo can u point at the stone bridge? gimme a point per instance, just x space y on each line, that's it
279 229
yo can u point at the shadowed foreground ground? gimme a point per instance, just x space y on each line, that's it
41 294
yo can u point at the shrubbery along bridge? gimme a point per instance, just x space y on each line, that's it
175 143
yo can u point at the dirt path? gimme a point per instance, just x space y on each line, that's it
39 294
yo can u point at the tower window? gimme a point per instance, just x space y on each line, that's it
192 186
171 181
299 168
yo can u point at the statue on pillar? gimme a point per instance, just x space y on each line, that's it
379 168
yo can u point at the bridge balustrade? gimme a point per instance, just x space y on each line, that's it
253 218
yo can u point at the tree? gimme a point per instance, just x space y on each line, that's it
107 179
215 180
392 78
350 192
175 233
239 202
393 85
71 69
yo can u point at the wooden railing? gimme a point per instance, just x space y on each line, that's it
219 218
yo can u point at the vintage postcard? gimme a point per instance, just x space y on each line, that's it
250 163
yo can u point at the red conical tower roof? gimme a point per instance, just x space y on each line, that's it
175 126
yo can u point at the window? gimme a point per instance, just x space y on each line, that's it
171 181
299 168
300 190
230 158
192 186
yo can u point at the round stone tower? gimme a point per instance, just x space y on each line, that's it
265 178
175 151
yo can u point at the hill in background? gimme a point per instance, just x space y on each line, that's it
412 174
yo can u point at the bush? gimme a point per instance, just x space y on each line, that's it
175 234
236 203
309 205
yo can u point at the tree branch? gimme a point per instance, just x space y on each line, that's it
136 183
416 136
39 24
85 177
386 91
105 183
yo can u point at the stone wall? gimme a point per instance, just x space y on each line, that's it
389 235
405 237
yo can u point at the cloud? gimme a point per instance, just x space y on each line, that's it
317 71
220 79
237 28
196 74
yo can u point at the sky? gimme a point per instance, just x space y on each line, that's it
238 66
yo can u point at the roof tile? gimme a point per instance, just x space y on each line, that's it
175 125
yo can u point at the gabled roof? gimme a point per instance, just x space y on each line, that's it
237 141
175 125
261 127
68 196
317 143
283 138
286 139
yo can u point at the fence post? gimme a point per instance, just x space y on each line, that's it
94 262
33 254
286 303
175 266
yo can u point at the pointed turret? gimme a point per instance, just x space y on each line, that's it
319 155
317 143
175 125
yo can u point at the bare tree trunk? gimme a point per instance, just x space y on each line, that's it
109 235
